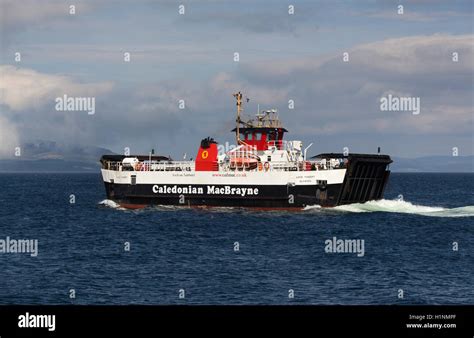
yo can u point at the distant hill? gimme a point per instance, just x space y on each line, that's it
447 164
49 156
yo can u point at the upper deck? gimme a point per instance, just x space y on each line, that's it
279 157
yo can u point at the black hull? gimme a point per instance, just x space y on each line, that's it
268 197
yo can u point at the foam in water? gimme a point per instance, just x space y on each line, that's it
311 207
404 207
111 204
396 206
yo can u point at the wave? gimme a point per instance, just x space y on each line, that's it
396 206
311 207
404 207
111 204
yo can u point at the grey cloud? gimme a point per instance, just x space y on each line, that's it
337 103
261 19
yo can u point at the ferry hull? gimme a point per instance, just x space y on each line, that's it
268 197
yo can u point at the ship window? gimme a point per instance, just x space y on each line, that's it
249 136
271 136
242 136
258 136
134 179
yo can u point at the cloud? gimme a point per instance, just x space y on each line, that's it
28 12
172 53
336 102
417 54
27 99
345 95
253 18
24 88
414 54
414 16
27 15
9 138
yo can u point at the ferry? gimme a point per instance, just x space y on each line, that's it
262 171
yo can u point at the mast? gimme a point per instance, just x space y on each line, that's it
238 97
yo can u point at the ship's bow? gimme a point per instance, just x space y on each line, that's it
366 178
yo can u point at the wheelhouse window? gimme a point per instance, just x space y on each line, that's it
258 136
249 136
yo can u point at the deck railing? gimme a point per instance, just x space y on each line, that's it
230 165
151 166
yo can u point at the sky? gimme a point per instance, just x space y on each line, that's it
282 57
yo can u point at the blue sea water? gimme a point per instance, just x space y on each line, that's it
408 246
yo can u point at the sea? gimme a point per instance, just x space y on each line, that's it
418 247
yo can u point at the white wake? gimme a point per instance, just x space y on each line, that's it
111 204
404 207
396 206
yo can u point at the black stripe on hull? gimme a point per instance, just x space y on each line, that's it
269 196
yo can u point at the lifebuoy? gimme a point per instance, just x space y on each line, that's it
267 166
260 166
204 154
